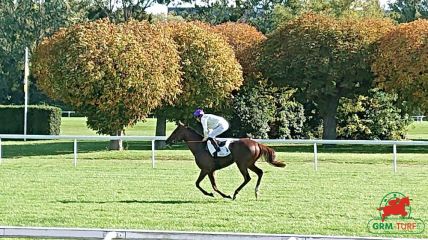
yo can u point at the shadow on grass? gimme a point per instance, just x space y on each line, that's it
169 202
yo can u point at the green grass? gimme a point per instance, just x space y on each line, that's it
77 126
40 187
418 131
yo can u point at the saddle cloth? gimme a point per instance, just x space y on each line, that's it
224 148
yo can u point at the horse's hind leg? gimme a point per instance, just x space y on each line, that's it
202 175
259 173
213 184
247 178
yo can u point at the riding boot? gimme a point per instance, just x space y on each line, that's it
214 143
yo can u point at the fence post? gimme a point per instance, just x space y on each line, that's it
75 152
153 153
394 151
315 157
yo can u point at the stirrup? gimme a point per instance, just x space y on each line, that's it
214 143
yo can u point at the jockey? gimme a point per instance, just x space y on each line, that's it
213 126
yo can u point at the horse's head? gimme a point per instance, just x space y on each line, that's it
178 134
405 201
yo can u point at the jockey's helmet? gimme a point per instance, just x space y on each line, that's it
198 112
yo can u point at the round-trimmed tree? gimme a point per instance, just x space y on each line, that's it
245 41
324 58
401 63
114 74
210 71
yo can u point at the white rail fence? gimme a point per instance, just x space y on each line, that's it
152 139
107 234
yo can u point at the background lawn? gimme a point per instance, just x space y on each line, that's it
418 131
40 187
77 126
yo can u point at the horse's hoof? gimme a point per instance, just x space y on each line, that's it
211 194
234 197
228 196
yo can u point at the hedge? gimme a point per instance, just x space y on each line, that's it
42 120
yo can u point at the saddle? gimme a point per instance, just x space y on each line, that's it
224 148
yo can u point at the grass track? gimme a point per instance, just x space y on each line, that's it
40 187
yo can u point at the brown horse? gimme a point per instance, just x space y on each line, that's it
244 153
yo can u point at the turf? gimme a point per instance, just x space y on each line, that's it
40 187
77 126
418 131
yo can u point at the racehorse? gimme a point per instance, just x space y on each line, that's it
244 152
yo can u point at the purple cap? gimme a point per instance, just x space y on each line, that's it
198 112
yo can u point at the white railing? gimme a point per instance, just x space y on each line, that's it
418 118
313 142
75 138
68 113
107 234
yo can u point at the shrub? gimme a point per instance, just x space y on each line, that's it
376 116
42 120
261 111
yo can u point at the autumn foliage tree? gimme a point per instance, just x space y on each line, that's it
245 41
401 63
210 71
113 74
324 58
258 109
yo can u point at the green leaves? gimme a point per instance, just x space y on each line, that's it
323 57
23 24
375 116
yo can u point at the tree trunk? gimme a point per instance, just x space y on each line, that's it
160 131
117 144
329 119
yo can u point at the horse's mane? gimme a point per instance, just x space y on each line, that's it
194 131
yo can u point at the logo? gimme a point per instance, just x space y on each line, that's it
395 216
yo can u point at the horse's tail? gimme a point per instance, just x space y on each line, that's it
269 155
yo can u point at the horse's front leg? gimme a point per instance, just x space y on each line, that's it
213 184
202 175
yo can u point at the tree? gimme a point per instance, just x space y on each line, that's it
245 41
401 63
324 58
408 10
257 13
114 74
23 23
210 71
335 8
